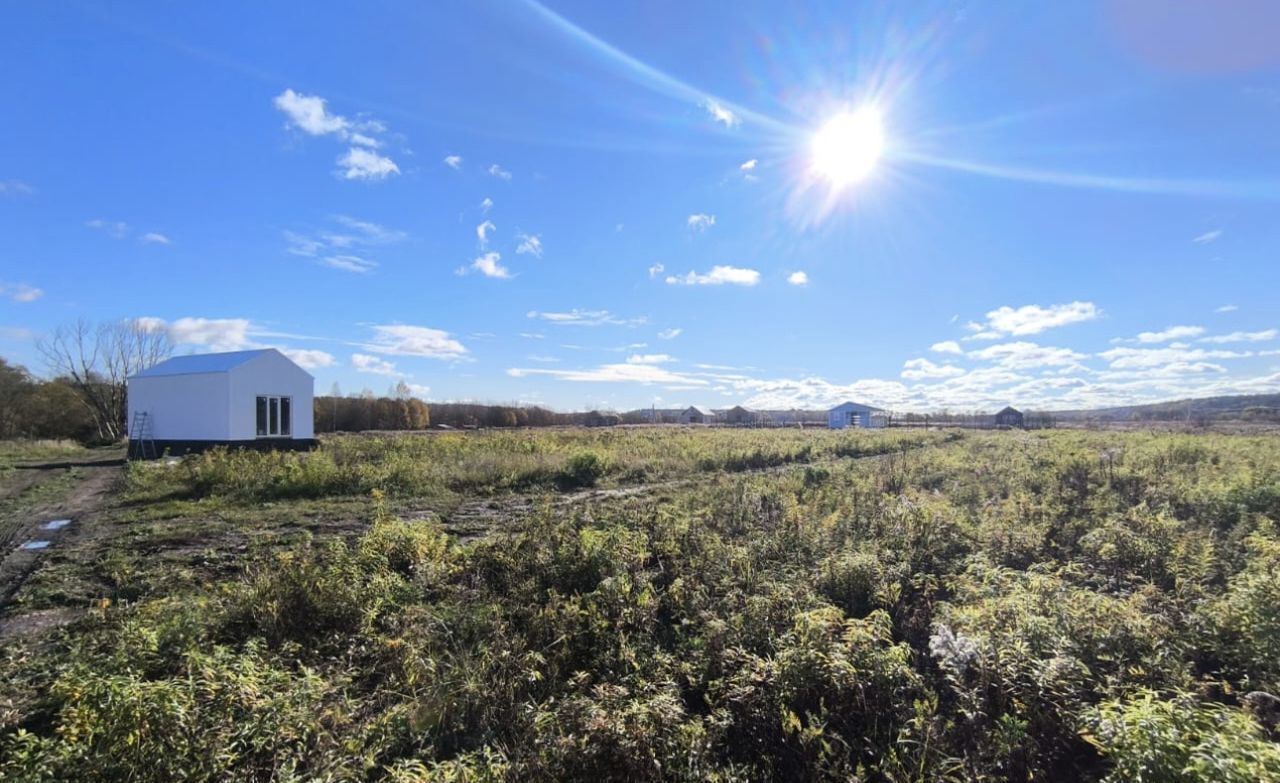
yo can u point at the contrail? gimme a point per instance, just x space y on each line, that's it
647 75
1168 187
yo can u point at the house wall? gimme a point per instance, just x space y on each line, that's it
184 407
270 374
837 418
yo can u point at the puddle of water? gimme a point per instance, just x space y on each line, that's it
36 544
56 524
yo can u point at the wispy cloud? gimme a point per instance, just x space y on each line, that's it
656 270
721 113
650 358
309 358
700 222
20 292
14 187
719 275
1025 355
530 244
946 346
749 165
486 205
154 238
497 171
1207 237
670 334
421 341
309 114
488 266
482 233
342 246
453 161
1227 308
578 317
360 163
372 365
116 229
349 263
798 278
1243 337
1164 335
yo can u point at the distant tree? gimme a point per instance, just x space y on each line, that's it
16 388
96 360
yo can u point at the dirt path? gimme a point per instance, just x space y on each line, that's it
37 496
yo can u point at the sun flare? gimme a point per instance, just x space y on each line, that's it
846 149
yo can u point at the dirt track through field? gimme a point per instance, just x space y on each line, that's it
90 484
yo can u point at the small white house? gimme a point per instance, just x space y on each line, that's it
851 414
256 399
695 415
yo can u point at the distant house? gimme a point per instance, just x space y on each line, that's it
598 419
253 399
1009 417
739 415
695 415
851 414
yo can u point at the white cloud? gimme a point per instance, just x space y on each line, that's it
1033 319
916 369
530 244
309 114
486 205
16 333
488 266
749 165
721 113
365 363
1145 358
946 346
670 334
1025 355
1165 335
497 171
701 222
1207 237
406 340
116 229
218 334
576 317
155 238
482 232
535 357
645 374
656 270
453 161
1227 308
649 358
349 263
1243 337
798 278
340 248
719 275
20 292
309 359
361 163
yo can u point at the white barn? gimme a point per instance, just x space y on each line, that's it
255 399
851 414
695 415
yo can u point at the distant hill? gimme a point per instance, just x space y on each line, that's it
1245 407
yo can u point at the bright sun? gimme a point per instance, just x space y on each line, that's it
845 150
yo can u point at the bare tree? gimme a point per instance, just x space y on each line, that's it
96 360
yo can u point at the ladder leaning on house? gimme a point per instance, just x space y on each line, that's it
140 433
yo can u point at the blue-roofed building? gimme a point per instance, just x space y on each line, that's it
852 414
254 399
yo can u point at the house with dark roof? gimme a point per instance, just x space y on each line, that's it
254 399
1010 417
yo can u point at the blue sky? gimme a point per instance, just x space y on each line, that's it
583 204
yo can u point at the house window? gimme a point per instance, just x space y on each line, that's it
275 417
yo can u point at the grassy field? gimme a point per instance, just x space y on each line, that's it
656 604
